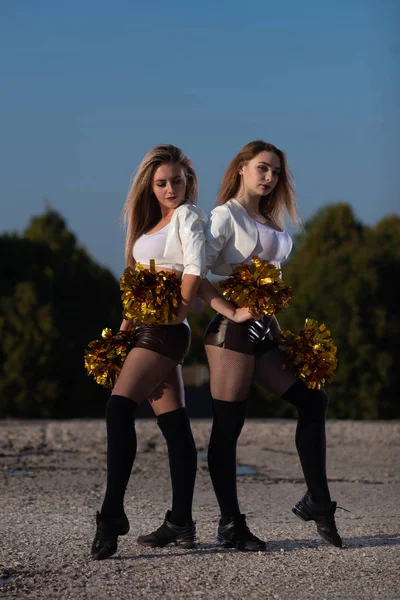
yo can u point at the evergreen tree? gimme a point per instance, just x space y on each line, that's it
345 275
54 300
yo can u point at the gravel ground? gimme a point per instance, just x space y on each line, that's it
52 483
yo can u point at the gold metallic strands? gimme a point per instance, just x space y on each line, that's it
105 357
311 354
258 287
149 296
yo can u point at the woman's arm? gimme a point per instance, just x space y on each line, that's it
127 325
191 222
189 287
210 295
218 232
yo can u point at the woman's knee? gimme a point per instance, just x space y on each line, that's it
119 408
229 418
306 400
316 404
176 429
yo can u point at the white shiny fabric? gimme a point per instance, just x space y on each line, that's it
232 238
185 243
272 245
184 248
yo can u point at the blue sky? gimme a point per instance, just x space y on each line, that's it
89 87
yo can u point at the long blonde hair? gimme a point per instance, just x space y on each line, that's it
280 201
142 211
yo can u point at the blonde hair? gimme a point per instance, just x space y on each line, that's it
142 211
280 201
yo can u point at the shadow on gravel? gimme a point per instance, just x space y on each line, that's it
372 541
204 549
365 541
6 575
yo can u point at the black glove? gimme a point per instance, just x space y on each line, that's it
258 331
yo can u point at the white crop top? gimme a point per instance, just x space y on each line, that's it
272 245
152 245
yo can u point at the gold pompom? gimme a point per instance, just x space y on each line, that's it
149 296
105 357
311 354
258 287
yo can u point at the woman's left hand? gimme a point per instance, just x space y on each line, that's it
241 315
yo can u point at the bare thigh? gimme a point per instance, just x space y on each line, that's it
270 375
142 373
231 373
170 394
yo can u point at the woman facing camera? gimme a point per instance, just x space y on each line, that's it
163 224
255 196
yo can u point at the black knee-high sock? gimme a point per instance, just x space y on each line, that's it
182 454
312 406
228 421
121 452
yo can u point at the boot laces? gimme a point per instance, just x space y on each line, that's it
345 509
329 519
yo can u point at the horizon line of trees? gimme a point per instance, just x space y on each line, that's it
54 299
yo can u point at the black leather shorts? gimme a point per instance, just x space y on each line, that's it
251 337
172 341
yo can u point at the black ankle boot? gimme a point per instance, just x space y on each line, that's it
323 514
105 541
168 533
236 534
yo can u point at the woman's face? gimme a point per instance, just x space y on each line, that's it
261 174
169 185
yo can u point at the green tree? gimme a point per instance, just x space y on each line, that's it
345 275
54 300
